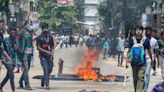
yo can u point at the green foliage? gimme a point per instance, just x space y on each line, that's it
56 15
105 14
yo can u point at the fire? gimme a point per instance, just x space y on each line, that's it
85 69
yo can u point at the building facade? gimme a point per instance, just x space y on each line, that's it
91 16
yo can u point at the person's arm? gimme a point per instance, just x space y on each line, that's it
150 55
5 53
127 58
157 56
43 50
148 47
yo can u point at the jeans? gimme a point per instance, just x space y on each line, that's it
47 66
161 59
9 75
154 65
138 77
120 56
26 66
147 76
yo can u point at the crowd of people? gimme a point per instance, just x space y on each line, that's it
145 51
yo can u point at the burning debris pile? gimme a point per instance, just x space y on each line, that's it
86 71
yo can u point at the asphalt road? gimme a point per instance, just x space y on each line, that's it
72 58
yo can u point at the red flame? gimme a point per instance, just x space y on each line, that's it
85 69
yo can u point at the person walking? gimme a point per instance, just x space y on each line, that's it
161 55
154 47
120 49
136 55
9 46
156 53
45 45
1 37
27 56
105 48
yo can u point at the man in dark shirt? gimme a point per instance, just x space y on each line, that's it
45 45
1 37
139 68
9 46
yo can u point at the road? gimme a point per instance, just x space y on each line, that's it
72 58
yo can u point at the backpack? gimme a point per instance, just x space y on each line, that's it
137 52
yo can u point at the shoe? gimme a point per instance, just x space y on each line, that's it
42 83
28 88
47 88
21 85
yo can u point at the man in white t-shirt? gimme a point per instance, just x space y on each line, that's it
154 48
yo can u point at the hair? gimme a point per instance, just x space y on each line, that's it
148 28
12 28
25 23
1 21
162 33
155 31
44 25
139 27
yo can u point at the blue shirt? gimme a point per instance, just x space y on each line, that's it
106 45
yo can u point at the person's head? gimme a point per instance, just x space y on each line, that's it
1 25
17 29
26 24
139 32
44 27
154 33
12 31
162 35
148 32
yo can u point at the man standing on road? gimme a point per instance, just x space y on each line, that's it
23 58
45 45
27 55
9 46
120 49
1 37
136 54
156 52
154 48
161 55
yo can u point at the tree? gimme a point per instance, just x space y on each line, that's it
56 16
79 9
4 7
105 13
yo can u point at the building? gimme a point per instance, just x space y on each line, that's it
91 15
156 16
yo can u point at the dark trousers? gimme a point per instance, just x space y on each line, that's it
9 75
120 58
47 65
26 66
138 77
105 52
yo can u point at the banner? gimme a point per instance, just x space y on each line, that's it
64 2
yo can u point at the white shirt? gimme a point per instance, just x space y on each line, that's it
153 45
120 46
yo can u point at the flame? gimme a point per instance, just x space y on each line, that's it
85 69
